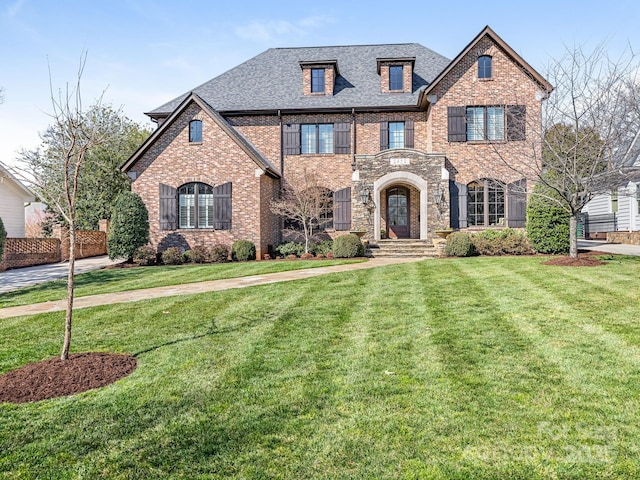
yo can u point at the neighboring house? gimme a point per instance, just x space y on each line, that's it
407 140
618 210
13 197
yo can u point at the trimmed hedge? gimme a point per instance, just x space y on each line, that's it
547 224
219 253
243 250
459 244
129 227
347 246
501 242
198 254
146 256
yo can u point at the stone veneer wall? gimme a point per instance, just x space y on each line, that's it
370 168
628 238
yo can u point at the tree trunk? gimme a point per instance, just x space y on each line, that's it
67 325
573 235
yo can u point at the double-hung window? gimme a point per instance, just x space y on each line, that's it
395 77
396 134
316 138
195 131
484 67
486 203
485 123
317 80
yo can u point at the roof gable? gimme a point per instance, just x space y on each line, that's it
510 52
6 176
236 136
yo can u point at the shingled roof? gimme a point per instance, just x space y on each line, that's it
273 80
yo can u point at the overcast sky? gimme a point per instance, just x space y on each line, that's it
143 53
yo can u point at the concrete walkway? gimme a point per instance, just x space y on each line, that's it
602 246
27 276
200 287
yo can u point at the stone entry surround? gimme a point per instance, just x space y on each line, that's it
400 167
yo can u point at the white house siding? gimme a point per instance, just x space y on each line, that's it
12 209
624 212
599 205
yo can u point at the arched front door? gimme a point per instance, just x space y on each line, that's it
398 212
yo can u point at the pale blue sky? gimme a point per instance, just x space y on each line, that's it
146 52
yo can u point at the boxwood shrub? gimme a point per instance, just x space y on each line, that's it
459 244
501 242
243 250
172 256
347 246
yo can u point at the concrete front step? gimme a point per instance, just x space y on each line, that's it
402 248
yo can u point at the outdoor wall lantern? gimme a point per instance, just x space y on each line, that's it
365 196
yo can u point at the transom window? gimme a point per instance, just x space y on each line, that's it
195 131
484 66
485 123
395 77
317 80
316 138
195 205
396 134
486 203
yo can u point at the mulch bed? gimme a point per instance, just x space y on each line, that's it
586 258
58 378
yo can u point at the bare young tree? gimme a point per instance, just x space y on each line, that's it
305 203
53 172
587 136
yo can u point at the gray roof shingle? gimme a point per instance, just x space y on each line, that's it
273 80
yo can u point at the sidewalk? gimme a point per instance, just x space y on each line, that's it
27 276
200 287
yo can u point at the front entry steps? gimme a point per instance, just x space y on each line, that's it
401 248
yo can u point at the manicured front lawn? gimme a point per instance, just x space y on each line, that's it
121 279
465 368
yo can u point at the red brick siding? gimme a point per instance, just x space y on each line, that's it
173 161
510 85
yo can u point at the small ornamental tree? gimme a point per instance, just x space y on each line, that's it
547 223
3 237
129 227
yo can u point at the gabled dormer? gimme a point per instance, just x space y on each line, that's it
319 77
396 74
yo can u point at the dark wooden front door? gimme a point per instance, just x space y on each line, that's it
398 212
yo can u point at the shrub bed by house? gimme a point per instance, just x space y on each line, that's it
347 246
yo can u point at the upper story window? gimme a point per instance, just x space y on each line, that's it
396 134
317 80
484 66
195 131
316 138
485 123
195 202
396 77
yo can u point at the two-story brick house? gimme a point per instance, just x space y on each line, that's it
407 140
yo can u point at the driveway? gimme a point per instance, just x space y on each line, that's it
24 277
602 246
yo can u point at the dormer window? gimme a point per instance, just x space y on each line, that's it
317 80
395 77
484 67
319 77
396 74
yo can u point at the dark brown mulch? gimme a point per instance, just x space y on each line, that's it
586 259
58 378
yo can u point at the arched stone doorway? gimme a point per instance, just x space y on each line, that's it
400 213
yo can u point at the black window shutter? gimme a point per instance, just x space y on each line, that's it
342 137
342 209
516 122
408 133
168 207
384 135
222 207
517 204
458 196
457 124
291 140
